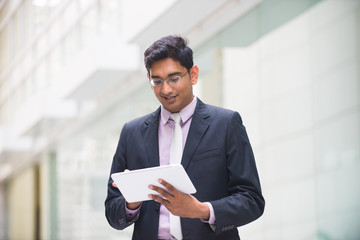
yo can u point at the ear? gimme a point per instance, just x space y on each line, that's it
194 74
148 77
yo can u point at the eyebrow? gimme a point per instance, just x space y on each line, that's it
169 75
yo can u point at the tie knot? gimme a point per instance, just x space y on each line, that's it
176 117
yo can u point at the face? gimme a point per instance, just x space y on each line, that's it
173 98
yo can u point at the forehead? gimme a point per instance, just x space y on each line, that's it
165 67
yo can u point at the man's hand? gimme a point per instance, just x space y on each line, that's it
131 206
178 203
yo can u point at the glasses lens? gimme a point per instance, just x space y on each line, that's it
156 82
174 80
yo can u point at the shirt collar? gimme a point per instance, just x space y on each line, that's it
185 114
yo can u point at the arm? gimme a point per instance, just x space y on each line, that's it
115 209
245 202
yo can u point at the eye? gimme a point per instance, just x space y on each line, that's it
174 79
157 81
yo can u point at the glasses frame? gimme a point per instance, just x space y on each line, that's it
169 80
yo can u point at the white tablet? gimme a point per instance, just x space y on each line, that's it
134 184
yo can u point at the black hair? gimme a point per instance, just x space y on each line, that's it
172 46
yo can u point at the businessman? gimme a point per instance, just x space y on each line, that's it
214 149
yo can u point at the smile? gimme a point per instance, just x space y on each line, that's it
169 99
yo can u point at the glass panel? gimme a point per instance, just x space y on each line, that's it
109 16
88 25
42 46
39 17
70 46
4 48
70 14
55 62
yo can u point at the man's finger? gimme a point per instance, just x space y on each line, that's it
168 186
157 198
161 191
162 201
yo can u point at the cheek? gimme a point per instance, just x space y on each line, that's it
187 89
157 90
157 93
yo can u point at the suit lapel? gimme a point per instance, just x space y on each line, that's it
199 124
149 131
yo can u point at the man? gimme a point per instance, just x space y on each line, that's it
216 155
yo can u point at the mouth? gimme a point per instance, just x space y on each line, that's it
169 99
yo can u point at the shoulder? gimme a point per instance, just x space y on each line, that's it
219 110
148 119
220 113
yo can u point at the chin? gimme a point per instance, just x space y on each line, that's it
171 109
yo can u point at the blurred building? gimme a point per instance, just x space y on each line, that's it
71 74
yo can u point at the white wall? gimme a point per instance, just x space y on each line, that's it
297 89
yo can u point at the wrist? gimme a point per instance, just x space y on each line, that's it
204 211
133 206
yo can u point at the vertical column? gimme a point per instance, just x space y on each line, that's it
53 196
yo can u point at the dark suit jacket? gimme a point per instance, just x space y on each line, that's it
218 159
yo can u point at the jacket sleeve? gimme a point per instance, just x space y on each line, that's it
115 211
244 202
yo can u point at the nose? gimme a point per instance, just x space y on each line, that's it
166 88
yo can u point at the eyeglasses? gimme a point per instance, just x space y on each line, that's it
171 81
